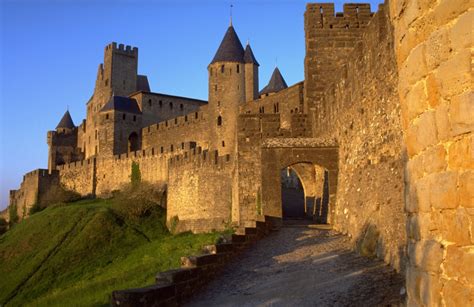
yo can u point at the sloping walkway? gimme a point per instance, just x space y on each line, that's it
300 266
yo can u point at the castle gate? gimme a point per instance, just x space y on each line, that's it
306 157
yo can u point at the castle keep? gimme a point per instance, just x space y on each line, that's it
379 133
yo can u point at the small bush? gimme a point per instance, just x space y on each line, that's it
137 201
135 176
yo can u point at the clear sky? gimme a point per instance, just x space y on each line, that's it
50 51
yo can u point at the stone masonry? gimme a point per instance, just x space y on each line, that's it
380 135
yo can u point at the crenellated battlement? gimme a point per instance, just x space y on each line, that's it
354 15
197 158
40 172
121 48
177 122
76 164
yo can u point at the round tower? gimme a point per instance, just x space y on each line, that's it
226 92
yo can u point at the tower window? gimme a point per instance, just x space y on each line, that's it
182 145
161 149
134 118
149 102
96 134
106 82
181 107
222 68
196 115
219 120
124 116
215 88
106 116
160 103
223 144
171 147
218 103
171 105
238 68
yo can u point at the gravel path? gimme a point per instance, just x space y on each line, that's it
299 266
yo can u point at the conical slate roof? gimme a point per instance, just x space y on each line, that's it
230 49
66 121
276 84
249 58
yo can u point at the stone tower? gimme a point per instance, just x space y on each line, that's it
116 76
251 74
62 143
226 91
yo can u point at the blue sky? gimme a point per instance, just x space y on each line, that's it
50 51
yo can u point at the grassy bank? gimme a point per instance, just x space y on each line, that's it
79 253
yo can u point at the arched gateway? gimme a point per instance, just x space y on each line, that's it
309 159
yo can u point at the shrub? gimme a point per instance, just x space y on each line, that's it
140 200
135 176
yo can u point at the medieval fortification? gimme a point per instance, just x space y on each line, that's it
383 120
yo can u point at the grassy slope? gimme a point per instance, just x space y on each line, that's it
77 254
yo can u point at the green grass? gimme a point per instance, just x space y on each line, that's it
77 254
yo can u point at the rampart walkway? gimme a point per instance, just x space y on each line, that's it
300 266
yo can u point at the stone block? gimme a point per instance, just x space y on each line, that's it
461 112
434 159
421 133
454 75
432 90
430 289
454 225
431 256
461 153
461 32
416 100
438 48
177 275
413 285
157 295
457 294
459 263
414 68
443 125
466 189
443 188
423 192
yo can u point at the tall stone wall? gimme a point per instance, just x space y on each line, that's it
34 186
200 191
79 176
285 102
433 45
169 136
359 107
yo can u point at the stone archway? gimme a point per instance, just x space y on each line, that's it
303 155
133 142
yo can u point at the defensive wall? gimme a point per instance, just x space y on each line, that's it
433 46
360 109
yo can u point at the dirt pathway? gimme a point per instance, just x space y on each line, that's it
303 267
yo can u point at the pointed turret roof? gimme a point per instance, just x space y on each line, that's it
276 84
66 121
230 49
249 58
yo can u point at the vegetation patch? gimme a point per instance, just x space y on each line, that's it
76 254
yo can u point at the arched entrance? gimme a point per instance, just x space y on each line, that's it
316 167
133 142
305 192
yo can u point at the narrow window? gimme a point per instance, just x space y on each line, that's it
182 145
218 103
176 121
123 116
219 120
106 116
152 151
215 88
196 115
106 82
149 102
171 105
171 147
222 68
160 103
161 149
96 134
134 118
181 107
223 144
238 68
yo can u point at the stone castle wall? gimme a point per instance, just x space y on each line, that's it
433 45
200 191
359 108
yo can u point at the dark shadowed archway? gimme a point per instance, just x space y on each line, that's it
307 157
133 142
